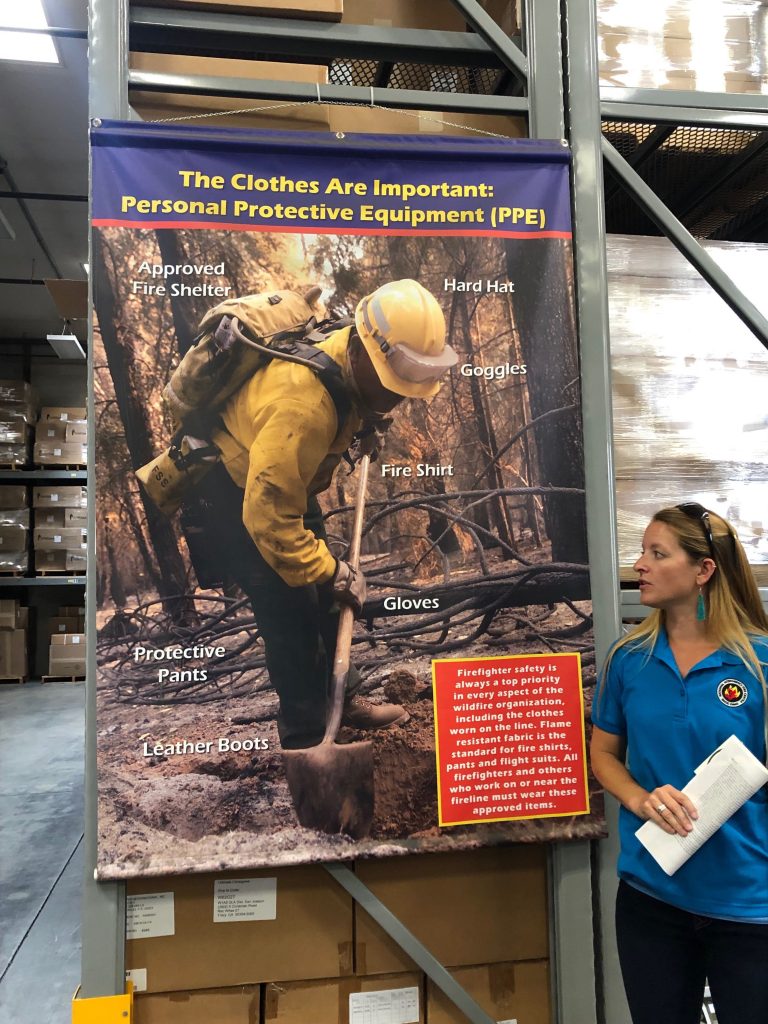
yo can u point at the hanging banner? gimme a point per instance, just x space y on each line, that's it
274 312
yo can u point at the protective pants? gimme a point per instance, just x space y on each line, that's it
298 625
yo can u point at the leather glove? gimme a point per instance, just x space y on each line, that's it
370 440
349 586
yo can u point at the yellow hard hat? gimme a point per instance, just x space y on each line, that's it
402 328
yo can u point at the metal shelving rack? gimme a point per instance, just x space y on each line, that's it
554 84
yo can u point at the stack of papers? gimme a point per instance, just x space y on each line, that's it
720 785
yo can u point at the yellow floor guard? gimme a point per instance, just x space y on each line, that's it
103 1009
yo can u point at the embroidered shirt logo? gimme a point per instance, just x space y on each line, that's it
732 693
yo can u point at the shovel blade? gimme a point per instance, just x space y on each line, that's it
332 787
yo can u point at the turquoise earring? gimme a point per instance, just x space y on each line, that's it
701 608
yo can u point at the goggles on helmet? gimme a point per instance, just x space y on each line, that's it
408 364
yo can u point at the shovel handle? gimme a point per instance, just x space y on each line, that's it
347 614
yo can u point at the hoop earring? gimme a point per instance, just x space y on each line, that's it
701 608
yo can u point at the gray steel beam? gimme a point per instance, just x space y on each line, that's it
57 197
497 40
203 32
545 61
103 920
573 974
716 181
408 942
59 33
696 103
656 139
751 121
583 107
303 92
683 240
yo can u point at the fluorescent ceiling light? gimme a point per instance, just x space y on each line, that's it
18 45
66 346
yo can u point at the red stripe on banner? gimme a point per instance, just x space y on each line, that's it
218 226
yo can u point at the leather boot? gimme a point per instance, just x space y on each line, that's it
360 713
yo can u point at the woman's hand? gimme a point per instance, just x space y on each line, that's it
668 808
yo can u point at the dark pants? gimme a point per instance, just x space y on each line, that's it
297 624
666 954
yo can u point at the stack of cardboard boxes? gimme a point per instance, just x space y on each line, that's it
411 14
61 437
684 45
14 529
61 529
14 622
18 411
66 651
200 948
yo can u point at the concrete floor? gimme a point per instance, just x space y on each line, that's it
41 825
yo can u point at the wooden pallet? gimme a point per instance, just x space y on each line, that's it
18 573
14 465
80 466
13 679
63 679
60 572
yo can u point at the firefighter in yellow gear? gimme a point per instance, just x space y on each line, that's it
282 437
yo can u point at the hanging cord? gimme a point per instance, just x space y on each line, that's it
371 105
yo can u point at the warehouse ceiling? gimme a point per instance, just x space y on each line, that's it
714 179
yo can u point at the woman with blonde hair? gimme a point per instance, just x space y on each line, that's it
689 676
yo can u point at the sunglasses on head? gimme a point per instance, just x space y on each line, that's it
694 510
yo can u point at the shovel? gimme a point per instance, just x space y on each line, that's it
332 785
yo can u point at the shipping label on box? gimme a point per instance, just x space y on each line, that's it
244 899
65 496
150 915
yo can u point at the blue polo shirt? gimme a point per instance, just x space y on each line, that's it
671 725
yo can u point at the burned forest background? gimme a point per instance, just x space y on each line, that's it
501 542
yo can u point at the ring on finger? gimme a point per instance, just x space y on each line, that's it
660 808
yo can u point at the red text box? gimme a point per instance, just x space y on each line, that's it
509 738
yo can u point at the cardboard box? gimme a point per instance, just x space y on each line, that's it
52 516
65 496
313 10
312 1002
54 538
63 624
77 610
460 905
13 454
69 663
59 453
62 430
313 116
208 1006
439 14
22 617
383 121
62 413
311 937
68 640
68 560
9 610
13 537
16 562
517 991
15 517
13 496
13 654
76 517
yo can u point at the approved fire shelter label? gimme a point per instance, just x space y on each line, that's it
509 738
